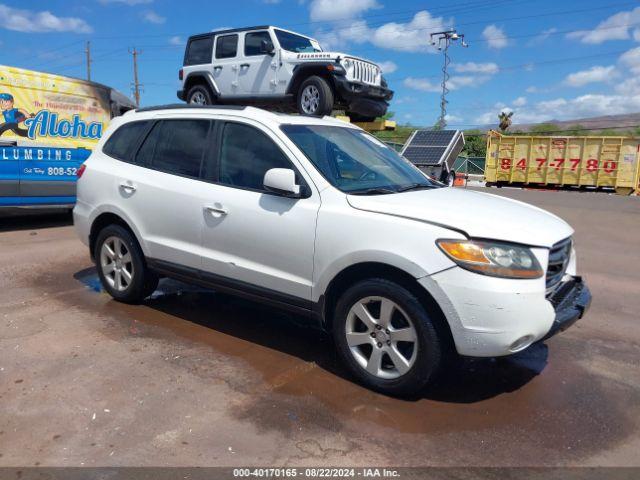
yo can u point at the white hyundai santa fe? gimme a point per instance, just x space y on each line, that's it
317 216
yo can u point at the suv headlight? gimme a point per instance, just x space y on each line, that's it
496 259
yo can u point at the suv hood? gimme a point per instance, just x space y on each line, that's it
477 214
329 56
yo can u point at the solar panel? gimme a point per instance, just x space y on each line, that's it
433 147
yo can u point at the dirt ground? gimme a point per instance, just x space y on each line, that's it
193 377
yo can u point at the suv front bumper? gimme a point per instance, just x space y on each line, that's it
491 317
570 303
366 100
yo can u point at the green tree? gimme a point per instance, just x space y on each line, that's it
575 130
475 144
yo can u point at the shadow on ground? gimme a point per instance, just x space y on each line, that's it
21 219
466 380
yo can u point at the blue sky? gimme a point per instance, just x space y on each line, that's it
545 59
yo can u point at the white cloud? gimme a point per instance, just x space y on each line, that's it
40 22
412 36
126 2
422 84
595 74
495 37
152 17
532 89
584 106
616 27
454 83
450 118
519 102
631 60
542 37
176 40
331 10
387 66
473 67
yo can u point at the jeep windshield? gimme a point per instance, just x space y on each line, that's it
297 43
355 162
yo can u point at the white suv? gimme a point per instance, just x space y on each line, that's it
283 70
316 216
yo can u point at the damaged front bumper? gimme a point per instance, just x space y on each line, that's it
570 303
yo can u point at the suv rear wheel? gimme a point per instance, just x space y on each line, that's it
315 97
121 266
386 338
199 95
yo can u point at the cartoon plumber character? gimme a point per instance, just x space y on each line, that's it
13 117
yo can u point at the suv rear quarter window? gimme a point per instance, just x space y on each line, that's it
199 51
122 144
227 46
176 146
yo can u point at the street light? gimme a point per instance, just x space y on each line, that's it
443 40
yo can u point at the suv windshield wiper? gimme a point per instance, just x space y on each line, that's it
373 191
415 186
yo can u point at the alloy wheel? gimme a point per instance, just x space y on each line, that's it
310 100
381 337
198 98
116 263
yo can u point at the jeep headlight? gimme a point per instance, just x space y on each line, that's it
347 64
496 259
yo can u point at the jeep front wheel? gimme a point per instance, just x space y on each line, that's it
199 95
315 97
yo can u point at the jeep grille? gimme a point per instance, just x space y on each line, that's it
559 257
364 72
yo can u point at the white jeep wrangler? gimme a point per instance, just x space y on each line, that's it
282 70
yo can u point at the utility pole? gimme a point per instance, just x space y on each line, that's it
87 51
444 40
136 84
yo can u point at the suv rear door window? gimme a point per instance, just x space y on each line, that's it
245 156
252 42
124 141
176 146
199 51
227 46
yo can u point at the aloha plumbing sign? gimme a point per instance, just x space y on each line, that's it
47 124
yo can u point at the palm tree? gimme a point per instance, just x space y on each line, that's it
505 120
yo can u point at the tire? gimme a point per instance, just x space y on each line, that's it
448 178
422 358
200 95
315 97
140 282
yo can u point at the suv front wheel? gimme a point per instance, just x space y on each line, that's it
385 336
315 97
121 266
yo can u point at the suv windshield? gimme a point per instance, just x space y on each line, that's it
356 162
297 43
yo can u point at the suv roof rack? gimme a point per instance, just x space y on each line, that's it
178 106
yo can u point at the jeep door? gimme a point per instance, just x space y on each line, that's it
226 65
252 237
257 74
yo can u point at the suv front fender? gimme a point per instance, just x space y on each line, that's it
303 71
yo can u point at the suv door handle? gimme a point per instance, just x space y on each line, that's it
219 210
245 65
129 188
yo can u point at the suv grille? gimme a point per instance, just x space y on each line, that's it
559 256
365 72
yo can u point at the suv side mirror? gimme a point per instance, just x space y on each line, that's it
266 47
282 181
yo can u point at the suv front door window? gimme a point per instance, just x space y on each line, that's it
258 69
246 242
